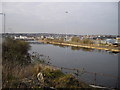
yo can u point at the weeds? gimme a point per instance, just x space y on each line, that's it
19 72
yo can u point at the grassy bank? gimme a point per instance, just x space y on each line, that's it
20 72
89 46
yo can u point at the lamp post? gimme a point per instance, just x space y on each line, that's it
4 20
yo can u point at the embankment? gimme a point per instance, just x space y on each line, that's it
83 46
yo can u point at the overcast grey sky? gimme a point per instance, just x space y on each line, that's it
51 17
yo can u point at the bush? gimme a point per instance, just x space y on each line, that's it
15 50
75 39
87 41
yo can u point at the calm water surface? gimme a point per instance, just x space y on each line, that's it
92 60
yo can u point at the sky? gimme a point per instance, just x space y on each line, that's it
61 17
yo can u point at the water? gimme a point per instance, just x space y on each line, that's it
91 60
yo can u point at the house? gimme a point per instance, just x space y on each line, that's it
20 37
110 41
67 38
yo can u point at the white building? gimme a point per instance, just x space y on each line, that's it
20 37
110 41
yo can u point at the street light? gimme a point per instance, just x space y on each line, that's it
4 20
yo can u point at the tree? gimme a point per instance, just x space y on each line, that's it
75 39
15 50
61 39
87 41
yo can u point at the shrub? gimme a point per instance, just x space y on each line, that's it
15 50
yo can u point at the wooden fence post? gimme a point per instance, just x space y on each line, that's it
61 68
77 73
95 79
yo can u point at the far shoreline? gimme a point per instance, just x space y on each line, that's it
80 45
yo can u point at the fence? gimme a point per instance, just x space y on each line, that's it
79 72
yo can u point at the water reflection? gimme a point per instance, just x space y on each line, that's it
99 61
74 48
83 49
63 46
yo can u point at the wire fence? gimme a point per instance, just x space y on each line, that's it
78 73
81 73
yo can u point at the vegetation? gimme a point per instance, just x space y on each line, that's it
19 72
14 58
57 79
84 43
81 41
15 51
87 41
75 39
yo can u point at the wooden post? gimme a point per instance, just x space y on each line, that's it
61 68
83 69
95 79
77 73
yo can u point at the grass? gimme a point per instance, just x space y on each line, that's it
19 72
26 77
95 46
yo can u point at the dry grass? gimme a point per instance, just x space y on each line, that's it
13 74
17 73
17 76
